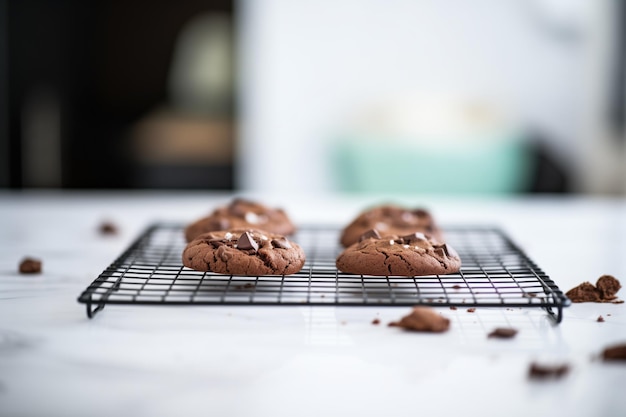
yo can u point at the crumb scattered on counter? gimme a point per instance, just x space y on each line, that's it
423 319
376 321
471 310
603 292
107 228
503 333
600 319
30 266
615 353
539 371
452 308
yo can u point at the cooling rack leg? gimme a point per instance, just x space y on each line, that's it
91 313
558 316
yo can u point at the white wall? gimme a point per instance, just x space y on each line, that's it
306 65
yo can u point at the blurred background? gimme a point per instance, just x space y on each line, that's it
321 96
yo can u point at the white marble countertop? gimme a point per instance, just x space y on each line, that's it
289 361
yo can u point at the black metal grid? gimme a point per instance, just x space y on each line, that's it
495 273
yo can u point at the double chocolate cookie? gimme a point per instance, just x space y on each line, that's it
409 255
390 220
244 252
242 214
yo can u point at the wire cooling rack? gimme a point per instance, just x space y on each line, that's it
495 273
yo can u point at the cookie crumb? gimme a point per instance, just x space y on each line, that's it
600 319
538 371
376 322
471 310
456 287
452 308
503 333
423 319
107 228
30 266
615 353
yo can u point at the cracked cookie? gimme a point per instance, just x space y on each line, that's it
244 252
242 213
409 255
390 220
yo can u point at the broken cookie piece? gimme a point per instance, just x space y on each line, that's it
30 266
423 319
539 371
503 333
614 353
603 292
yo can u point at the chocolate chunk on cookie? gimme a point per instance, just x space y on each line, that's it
390 220
410 255
243 252
242 213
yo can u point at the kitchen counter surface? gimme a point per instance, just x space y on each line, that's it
297 360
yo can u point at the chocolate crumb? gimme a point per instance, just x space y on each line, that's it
456 287
376 321
614 353
30 266
600 319
452 308
107 228
503 333
471 310
423 319
538 371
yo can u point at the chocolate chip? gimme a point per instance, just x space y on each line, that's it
440 252
538 371
30 266
246 242
503 333
281 243
370 234
617 352
449 250
413 237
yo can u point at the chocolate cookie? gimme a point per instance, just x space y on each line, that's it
244 252
242 214
391 220
410 255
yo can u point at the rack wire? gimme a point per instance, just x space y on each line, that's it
495 273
